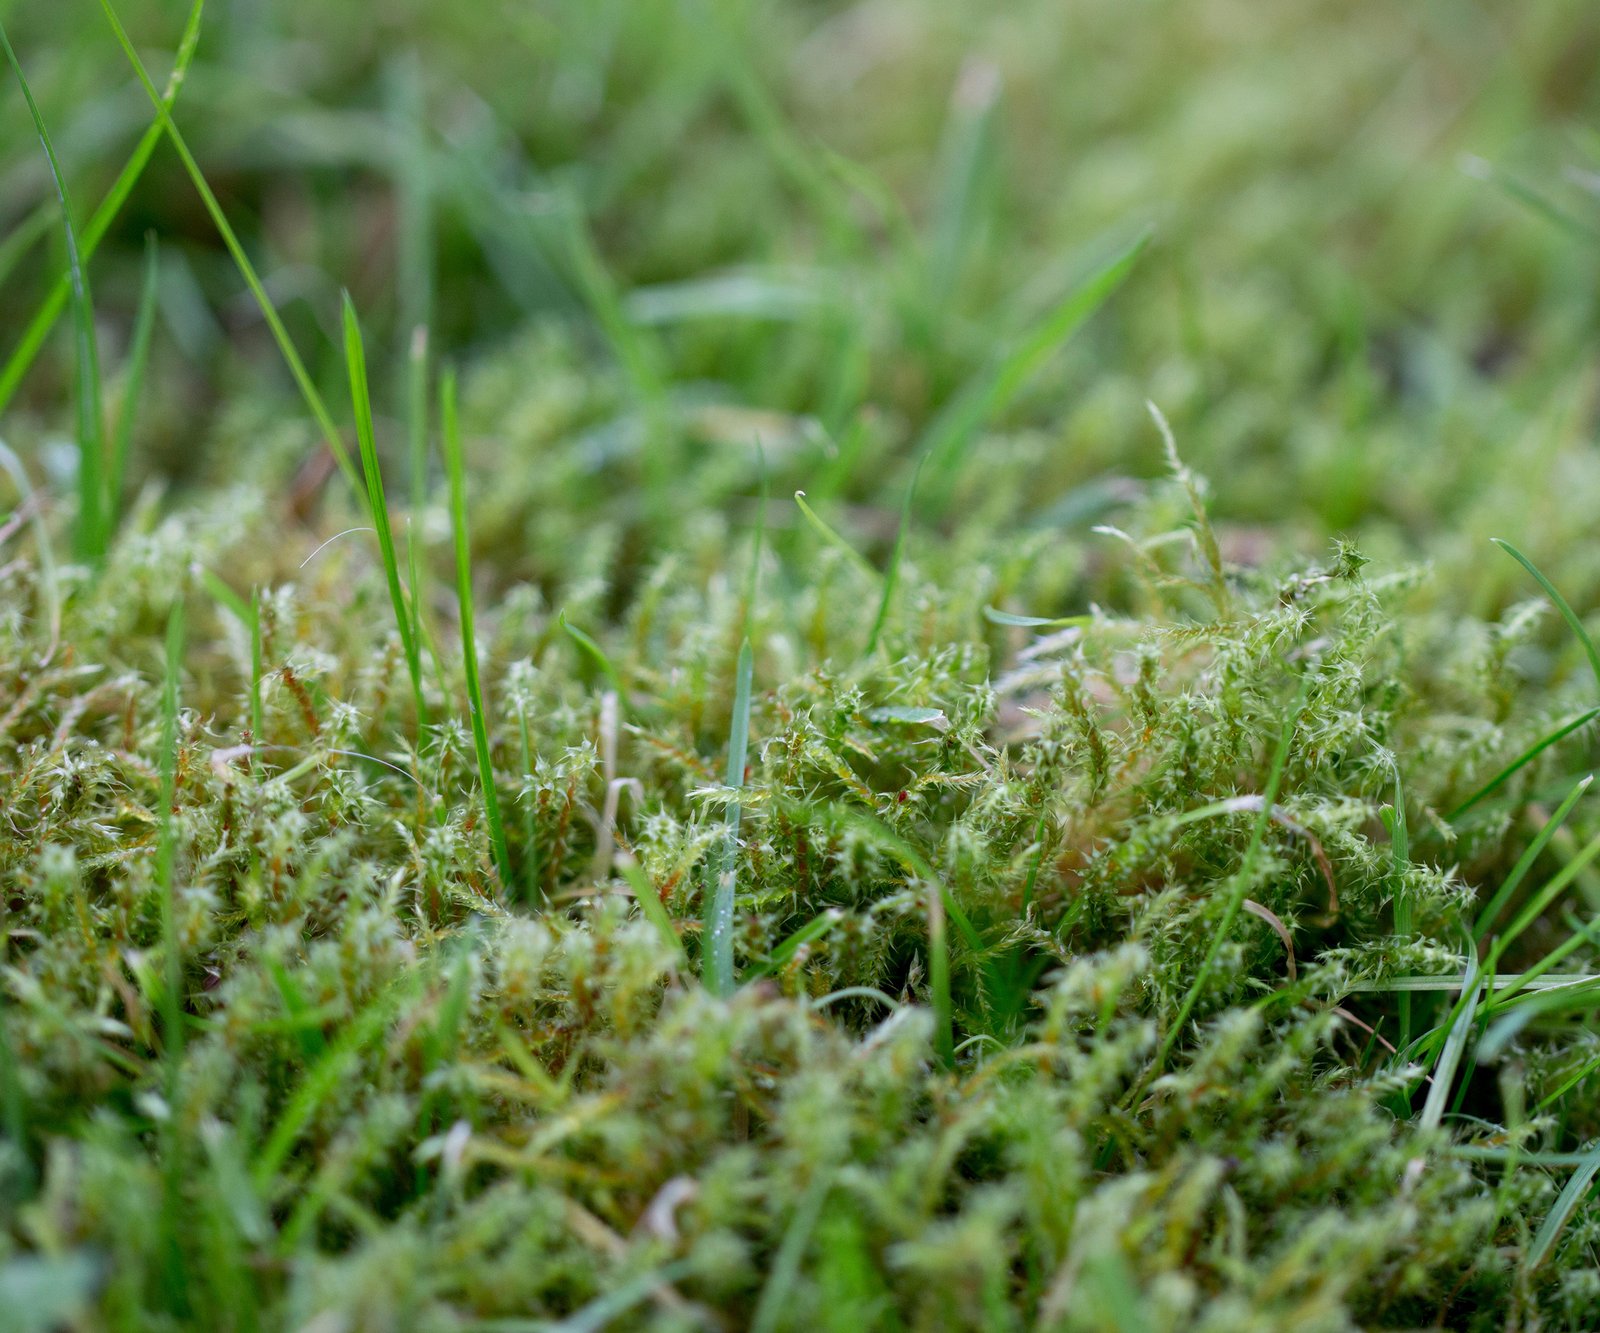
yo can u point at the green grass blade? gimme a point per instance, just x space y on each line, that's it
780 957
356 365
717 963
455 469
1561 604
1522 761
1495 905
417 416
947 439
832 538
997 617
138 361
1444 1070
650 905
772 1308
90 536
595 654
1578 1185
1547 894
219 219
891 576
44 319
337 1064
1394 820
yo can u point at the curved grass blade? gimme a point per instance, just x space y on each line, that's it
780 957
1567 613
219 219
455 469
44 319
356 365
90 534
829 535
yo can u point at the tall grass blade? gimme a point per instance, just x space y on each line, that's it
44 319
717 963
219 219
1400 858
455 469
356 365
1444 1070
90 536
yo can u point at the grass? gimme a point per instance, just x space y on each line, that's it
1119 852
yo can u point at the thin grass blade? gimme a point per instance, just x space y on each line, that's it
455 469
717 963
356 365
1577 1188
90 536
219 219
44 319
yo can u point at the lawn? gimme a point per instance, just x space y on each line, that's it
786 664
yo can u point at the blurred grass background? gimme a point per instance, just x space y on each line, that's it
1368 307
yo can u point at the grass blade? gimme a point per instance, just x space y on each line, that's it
1394 820
1444 1070
356 364
138 360
717 962
1578 1185
595 653
946 441
998 617
1494 906
90 536
891 576
650 905
44 319
219 219
455 469
829 535
1522 761
1567 613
